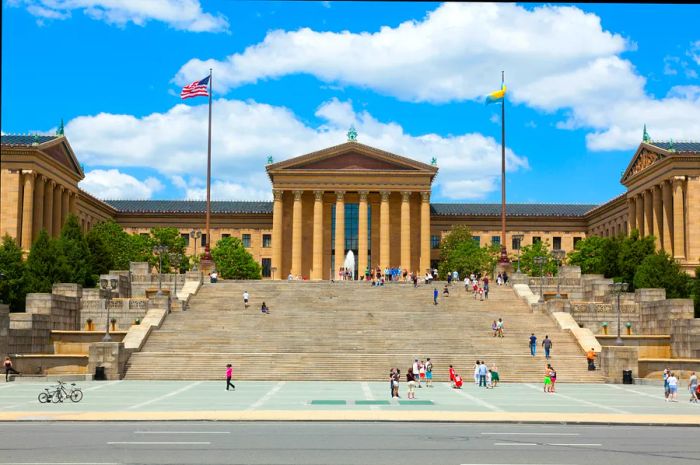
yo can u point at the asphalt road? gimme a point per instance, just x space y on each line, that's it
343 443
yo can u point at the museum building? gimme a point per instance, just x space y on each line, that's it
353 197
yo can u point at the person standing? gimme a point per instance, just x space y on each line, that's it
428 373
435 295
547 379
495 378
411 381
553 378
673 387
590 357
416 372
666 375
452 375
245 299
499 327
533 344
692 387
482 374
229 375
547 344
9 369
476 373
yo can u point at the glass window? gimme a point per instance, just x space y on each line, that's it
246 240
556 242
496 240
576 240
204 239
434 242
267 240
515 244
477 239
186 237
266 267
536 240
225 235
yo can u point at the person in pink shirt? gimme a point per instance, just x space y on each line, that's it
229 374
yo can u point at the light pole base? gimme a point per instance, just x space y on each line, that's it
619 341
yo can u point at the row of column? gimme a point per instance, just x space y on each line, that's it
45 204
385 237
661 211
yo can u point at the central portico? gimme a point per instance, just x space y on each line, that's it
350 197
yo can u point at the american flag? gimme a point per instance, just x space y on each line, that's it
196 89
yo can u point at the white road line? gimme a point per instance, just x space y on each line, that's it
100 386
162 443
591 445
476 400
536 434
165 396
515 444
369 395
267 396
59 463
7 385
636 392
182 432
584 402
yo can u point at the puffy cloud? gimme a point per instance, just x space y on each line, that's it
113 184
179 14
246 133
556 58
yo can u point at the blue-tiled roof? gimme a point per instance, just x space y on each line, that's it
513 209
683 147
24 139
189 206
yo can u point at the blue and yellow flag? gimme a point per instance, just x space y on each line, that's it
496 96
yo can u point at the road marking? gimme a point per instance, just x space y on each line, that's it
591 445
162 443
515 444
537 434
165 396
182 432
474 399
267 396
95 388
8 385
59 463
632 390
369 395
584 402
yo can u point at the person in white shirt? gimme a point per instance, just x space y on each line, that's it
213 277
245 299
673 387
416 372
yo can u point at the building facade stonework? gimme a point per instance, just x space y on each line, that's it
353 197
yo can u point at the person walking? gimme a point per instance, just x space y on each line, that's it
590 357
692 386
547 344
246 296
428 373
482 374
9 369
411 381
673 387
435 295
666 375
533 344
229 374
416 371
547 379
499 327
494 327
452 375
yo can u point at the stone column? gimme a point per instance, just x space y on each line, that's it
424 232
73 203
362 242
658 216
48 206
339 231
648 213
277 233
639 201
296 234
317 261
692 218
667 214
384 244
27 210
406 231
65 205
679 217
631 215
57 214
39 188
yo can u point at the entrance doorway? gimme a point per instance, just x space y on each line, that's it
352 214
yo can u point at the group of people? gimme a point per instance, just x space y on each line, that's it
246 303
420 372
671 386
546 345
483 376
479 286
497 328
550 378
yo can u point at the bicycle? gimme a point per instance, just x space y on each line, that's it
60 393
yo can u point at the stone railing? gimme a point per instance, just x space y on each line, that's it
548 281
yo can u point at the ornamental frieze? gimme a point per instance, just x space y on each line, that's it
644 161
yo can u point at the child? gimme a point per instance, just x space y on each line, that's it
494 327
488 380
458 382
421 372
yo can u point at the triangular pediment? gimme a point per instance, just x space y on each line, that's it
351 156
645 156
60 151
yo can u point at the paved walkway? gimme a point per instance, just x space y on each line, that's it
347 401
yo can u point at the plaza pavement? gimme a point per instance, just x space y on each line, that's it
349 401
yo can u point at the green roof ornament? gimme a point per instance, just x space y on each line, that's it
270 160
433 161
670 146
35 139
352 134
645 136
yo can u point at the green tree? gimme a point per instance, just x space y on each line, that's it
12 288
661 270
101 254
527 259
75 249
696 292
46 265
233 261
460 252
121 247
633 250
597 255
171 238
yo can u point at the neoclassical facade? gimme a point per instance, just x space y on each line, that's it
353 197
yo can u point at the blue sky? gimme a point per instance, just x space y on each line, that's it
291 77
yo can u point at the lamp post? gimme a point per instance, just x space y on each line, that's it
540 261
518 239
175 259
160 250
196 235
558 255
618 288
108 284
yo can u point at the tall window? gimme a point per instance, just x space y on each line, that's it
186 237
246 240
576 240
204 239
266 267
224 235
536 240
496 240
434 242
514 244
556 242
267 240
477 239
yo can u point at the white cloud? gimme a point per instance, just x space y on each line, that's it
113 184
694 52
556 58
246 133
179 14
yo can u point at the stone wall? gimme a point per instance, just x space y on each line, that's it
29 333
685 342
62 305
656 317
125 311
4 329
591 315
613 360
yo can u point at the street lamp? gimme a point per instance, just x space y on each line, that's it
160 250
196 235
518 239
558 255
540 261
618 288
175 259
108 284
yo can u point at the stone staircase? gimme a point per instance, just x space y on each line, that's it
350 331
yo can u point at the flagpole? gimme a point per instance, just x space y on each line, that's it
504 252
207 252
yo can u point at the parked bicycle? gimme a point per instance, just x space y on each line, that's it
60 392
